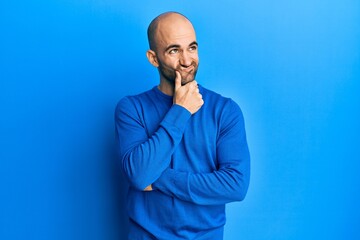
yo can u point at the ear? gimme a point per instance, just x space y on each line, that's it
151 56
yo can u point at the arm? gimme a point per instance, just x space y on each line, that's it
229 182
143 159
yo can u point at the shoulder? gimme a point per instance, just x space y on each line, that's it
228 113
132 104
217 101
134 100
209 93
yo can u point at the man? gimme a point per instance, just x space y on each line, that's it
182 147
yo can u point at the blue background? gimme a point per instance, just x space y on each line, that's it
292 66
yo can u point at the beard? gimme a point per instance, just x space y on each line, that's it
170 75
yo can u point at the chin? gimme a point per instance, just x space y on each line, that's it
188 78
183 82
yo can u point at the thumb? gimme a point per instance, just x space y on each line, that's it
177 80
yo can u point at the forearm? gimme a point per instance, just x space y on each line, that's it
144 163
144 159
219 187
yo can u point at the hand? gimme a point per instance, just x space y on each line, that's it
187 96
148 188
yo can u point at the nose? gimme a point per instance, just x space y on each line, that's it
185 59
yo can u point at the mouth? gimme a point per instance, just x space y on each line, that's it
187 69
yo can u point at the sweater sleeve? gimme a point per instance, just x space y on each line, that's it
144 158
226 184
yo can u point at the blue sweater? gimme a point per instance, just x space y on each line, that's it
195 163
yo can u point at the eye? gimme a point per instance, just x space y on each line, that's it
173 51
193 48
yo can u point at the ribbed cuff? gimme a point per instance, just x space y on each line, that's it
177 117
173 183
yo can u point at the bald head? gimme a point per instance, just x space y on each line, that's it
164 22
173 48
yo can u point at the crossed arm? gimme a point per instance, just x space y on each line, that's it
146 160
226 184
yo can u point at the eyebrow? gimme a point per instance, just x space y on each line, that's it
172 46
178 46
193 43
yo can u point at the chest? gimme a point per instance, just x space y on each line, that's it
197 150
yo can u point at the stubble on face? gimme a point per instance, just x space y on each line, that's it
174 30
169 74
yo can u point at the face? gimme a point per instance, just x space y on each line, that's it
177 50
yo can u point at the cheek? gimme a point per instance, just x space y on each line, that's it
171 65
167 62
168 70
195 58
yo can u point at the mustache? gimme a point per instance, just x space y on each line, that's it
180 67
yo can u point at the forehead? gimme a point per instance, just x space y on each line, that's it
175 31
